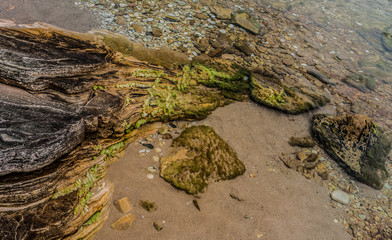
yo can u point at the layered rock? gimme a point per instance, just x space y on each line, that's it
357 144
71 101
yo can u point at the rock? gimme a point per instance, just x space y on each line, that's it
221 13
322 171
288 61
340 197
243 46
357 144
157 32
121 21
386 39
302 156
302 141
167 136
321 77
202 44
138 28
157 226
124 222
246 21
269 90
198 157
201 16
124 205
149 206
148 145
172 18
361 82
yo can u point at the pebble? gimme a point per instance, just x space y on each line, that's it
150 176
222 31
155 159
340 196
158 150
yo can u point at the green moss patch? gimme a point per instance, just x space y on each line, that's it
199 157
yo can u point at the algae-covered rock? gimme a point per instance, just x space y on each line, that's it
199 157
247 21
386 39
269 90
357 144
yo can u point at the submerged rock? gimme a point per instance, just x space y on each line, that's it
357 144
340 196
246 21
386 39
269 90
199 156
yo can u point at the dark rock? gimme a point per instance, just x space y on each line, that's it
149 206
198 157
156 32
243 46
148 145
172 125
157 226
196 204
386 39
320 76
34 132
167 136
357 144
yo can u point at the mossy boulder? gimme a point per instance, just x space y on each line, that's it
198 157
267 89
357 144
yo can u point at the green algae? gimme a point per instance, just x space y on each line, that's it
112 149
209 158
93 219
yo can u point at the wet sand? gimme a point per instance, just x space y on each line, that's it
278 203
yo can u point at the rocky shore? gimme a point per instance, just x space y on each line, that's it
70 102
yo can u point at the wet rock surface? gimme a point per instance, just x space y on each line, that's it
356 143
199 157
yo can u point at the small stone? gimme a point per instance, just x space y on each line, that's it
302 141
155 158
172 18
148 145
124 205
151 169
156 32
201 16
340 196
322 171
362 216
158 150
167 136
157 226
149 206
124 222
150 176
163 130
222 13
302 156
121 21
138 28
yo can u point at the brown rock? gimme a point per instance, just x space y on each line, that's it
138 27
124 222
222 13
302 141
243 46
203 45
201 16
121 21
124 205
288 61
157 32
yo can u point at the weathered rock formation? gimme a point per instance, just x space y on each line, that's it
198 157
357 144
69 102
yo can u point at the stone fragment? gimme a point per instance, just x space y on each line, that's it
157 32
322 171
124 205
340 196
246 21
357 144
221 12
138 28
121 21
172 18
157 226
386 39
243 46
198 157
201 16
124 222
302 141
149 206
302 156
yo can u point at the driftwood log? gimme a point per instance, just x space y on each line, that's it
69 102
